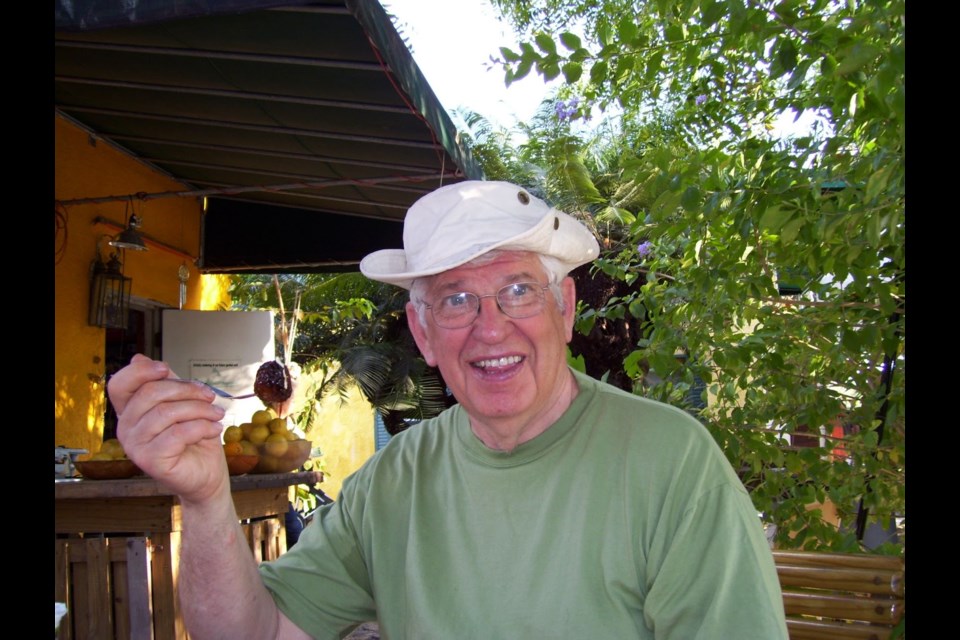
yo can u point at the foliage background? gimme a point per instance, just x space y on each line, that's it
769 270
342 330
754 279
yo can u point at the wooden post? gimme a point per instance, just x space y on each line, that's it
139 589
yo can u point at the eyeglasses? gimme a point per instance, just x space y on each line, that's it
517 300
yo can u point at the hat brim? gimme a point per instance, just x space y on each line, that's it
556 234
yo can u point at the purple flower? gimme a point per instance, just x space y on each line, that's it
701 99
644 248
566 110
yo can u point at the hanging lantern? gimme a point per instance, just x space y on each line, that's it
130 237
109 294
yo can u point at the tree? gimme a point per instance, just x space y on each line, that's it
343 330
771 268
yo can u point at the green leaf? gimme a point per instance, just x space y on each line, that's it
586 322
615 214
572 72
627 29
546 43
579 55
774 217
616 312
578 363
598 73
790 230
832 227
637 309
654 65
828 65
873 229
851 340
786 54
674 33
522 70
570 41
691 199
604 33
711 11
798 75
549 69
739 22
856 56
662 362
624 67
631 364
877 181
509 55
665 204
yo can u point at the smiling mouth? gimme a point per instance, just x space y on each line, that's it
496 363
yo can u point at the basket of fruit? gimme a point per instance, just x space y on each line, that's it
107 469
109 463
240 463
280 457
266 439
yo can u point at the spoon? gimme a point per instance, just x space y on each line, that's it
218 391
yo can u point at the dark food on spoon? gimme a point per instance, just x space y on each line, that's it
273 383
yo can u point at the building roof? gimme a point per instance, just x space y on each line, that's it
307 126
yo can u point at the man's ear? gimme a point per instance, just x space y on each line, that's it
420 334
569 290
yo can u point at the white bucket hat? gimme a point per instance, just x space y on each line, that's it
454 224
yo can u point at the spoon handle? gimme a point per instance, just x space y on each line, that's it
218 391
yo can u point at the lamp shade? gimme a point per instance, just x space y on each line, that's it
130 238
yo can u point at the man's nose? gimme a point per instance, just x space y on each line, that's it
490 318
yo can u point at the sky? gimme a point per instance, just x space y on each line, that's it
452 42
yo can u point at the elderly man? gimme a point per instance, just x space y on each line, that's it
545 504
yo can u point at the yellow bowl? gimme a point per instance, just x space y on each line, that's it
107 469
241 464
281 457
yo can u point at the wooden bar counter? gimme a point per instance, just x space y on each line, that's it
117 550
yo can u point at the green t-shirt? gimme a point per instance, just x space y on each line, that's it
622 520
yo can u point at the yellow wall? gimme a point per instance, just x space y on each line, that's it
89 168
345 434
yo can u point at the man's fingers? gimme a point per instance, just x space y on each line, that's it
127 381
164 416
166 395
146 420
171 442
167 428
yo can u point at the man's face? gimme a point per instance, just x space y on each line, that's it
502 370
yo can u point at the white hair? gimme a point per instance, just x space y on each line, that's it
553 267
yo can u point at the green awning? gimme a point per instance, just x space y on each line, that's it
307 125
